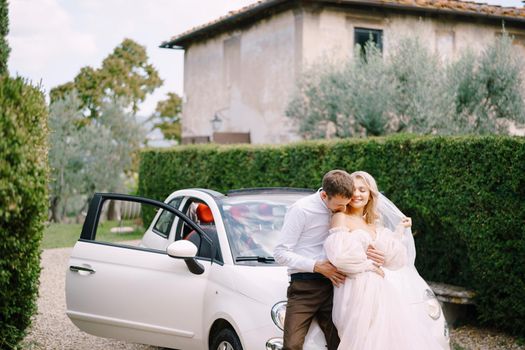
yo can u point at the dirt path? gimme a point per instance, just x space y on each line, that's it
51 328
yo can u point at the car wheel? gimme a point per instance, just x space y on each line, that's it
225 339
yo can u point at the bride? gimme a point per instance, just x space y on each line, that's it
368 310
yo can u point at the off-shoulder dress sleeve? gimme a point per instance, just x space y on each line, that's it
347 251
395 251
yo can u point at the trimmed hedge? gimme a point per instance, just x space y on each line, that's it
4 29
466 196
23 203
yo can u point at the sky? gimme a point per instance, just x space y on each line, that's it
51 40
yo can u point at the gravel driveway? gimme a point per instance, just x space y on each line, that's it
52 329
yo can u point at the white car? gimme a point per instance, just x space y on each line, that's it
202 277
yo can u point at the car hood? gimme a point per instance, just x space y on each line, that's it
268 284
265 284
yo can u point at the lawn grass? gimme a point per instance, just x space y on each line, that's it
66 235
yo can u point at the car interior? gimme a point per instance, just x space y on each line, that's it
201 214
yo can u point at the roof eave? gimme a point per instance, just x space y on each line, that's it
184 40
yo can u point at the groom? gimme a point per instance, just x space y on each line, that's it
300 247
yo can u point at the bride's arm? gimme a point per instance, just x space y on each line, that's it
347 252
395 252
405 223
338 220
350 259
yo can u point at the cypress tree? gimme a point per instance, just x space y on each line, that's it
4 29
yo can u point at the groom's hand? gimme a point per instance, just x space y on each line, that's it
377 256
326 268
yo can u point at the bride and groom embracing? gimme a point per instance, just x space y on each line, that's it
336 246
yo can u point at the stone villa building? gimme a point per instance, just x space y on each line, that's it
240 70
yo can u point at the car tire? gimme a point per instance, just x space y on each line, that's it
225 339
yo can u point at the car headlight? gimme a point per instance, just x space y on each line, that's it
278 314
433 307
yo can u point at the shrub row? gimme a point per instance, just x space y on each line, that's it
466 196
23 203
4 29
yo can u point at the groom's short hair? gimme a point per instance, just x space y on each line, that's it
338 183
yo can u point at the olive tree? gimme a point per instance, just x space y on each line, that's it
88 157
411 90
487 90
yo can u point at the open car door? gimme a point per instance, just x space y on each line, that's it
126 291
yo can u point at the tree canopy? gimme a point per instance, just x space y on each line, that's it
125 75
411 90
4 29
167 116
88 157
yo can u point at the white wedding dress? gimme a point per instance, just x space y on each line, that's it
368 311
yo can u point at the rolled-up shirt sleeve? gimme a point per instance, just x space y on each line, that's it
293 227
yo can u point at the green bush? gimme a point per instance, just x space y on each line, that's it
4 29
410 90
466 196
23 203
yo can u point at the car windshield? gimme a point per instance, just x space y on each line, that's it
253 222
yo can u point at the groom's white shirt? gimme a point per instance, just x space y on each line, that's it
304 231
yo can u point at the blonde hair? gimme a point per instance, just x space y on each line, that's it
370 213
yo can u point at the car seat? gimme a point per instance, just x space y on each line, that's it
207 223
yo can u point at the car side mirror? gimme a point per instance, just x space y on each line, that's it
182 249
186 250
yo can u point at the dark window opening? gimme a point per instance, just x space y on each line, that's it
363 35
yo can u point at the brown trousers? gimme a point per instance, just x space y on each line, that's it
308 300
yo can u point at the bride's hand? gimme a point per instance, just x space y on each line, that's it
379 271
406 221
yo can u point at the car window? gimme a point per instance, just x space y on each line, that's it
190 210
165 221
128 222
200 213
253 223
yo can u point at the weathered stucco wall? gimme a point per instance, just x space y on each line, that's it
330 33
248 76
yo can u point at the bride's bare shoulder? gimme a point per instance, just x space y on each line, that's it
338 220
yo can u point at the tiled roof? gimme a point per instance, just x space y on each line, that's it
445 6
467 7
